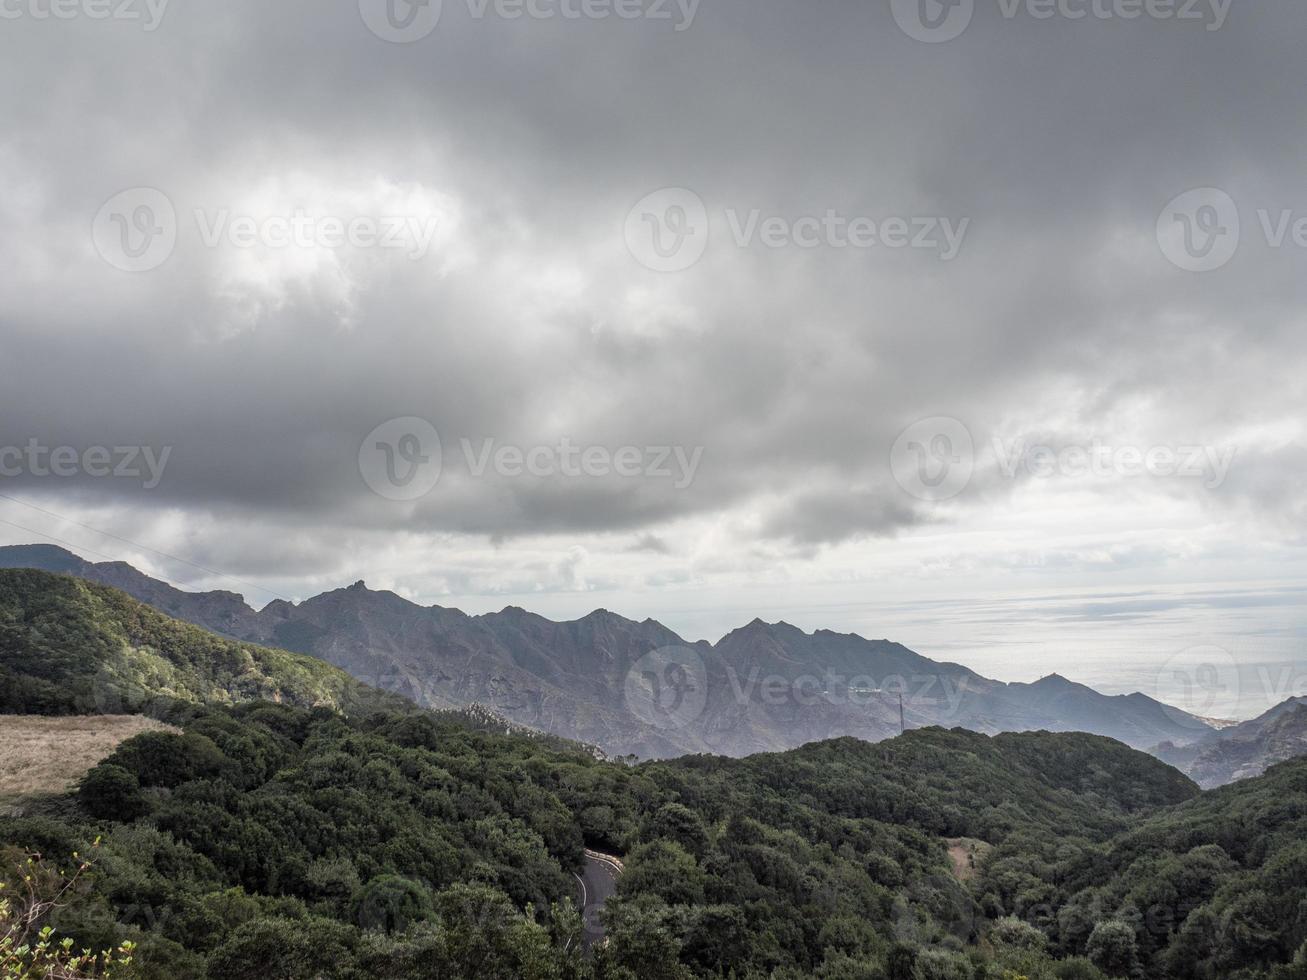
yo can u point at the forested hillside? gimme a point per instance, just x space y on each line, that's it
1215 889
302 842
270 841
71 647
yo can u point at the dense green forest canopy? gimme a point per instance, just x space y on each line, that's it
405 845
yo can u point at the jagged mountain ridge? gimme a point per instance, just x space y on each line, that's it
765 687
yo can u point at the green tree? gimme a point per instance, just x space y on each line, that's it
1112 947
680 825
664 869
391 904
110 792
288 949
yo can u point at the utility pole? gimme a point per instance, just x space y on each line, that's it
902 727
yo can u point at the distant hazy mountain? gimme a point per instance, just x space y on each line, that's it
1244 750
763 687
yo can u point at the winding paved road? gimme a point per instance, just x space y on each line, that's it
595 887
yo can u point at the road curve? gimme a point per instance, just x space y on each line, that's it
595 886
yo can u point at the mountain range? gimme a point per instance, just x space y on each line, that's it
637 688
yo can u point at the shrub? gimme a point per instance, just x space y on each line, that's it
110 792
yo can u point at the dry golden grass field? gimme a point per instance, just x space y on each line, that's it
42 756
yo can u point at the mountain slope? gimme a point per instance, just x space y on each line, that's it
1132 718
72 647
764 687
980 786
1244 750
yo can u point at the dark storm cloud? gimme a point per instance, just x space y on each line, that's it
651 543
827 517
795 370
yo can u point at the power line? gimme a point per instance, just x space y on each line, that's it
127 541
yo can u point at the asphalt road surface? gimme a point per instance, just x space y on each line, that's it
595 886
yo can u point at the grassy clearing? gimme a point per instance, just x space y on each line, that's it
967 854
42 756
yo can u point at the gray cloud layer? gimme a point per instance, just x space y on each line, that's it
529 321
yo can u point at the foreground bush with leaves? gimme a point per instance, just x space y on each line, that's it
30 893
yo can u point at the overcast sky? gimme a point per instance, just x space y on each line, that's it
258 241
